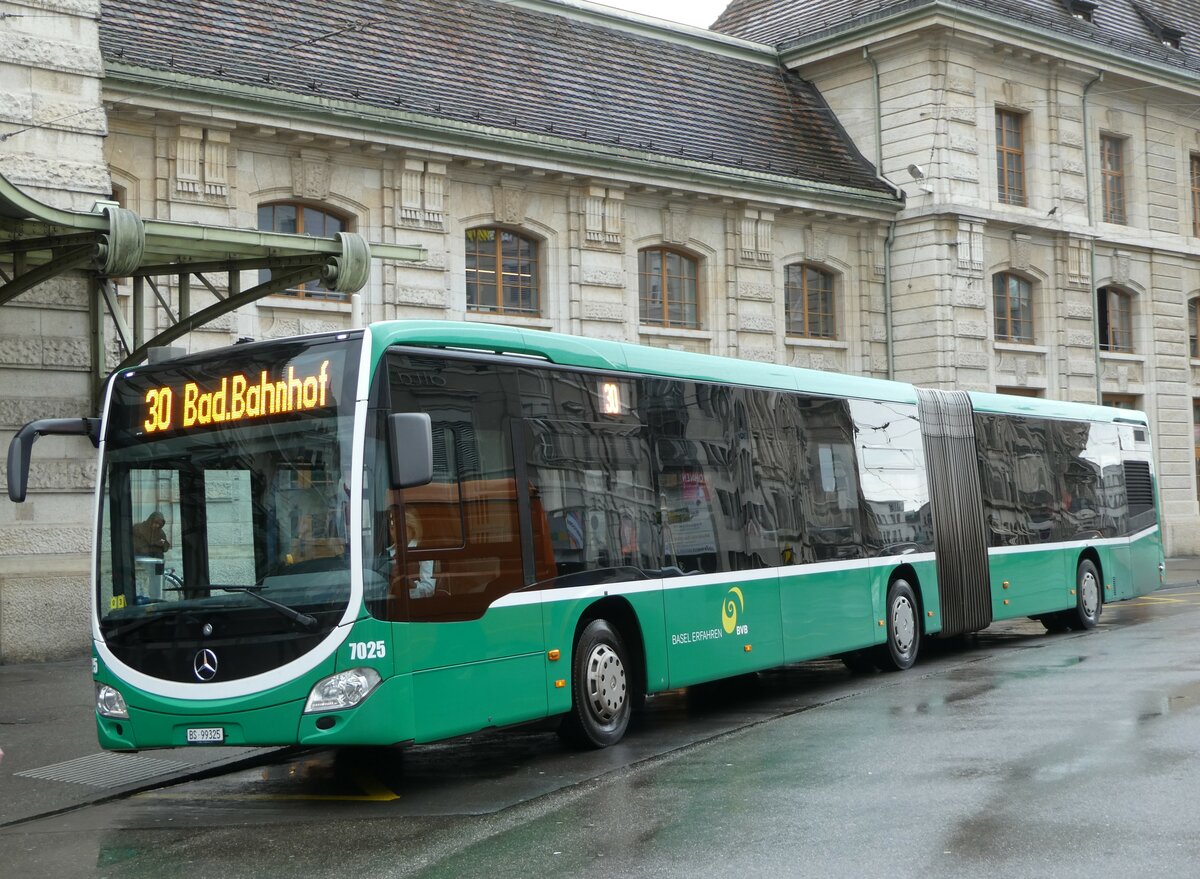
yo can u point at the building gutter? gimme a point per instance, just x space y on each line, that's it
1091 212
891 234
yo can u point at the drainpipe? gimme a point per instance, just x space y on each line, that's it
1087 177
891 235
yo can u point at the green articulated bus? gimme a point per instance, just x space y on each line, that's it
423 529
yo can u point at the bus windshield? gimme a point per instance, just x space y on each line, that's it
225 509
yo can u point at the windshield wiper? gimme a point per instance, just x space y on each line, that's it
306 620
121 631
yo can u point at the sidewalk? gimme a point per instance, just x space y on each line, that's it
52 761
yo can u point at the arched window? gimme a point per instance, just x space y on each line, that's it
808 298
1114 313
1013 299
502 272
668 288
298 218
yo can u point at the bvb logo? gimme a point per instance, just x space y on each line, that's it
734 604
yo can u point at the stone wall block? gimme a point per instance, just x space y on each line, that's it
44 618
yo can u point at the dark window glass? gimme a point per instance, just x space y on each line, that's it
703 472
447 550
821 519
1049 480
891 458
1013 305
1114 312
594 500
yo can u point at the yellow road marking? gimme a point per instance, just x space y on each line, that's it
349 798
373 789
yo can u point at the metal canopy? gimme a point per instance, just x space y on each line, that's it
41 242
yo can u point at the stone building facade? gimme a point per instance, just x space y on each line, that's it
1050 150
53 125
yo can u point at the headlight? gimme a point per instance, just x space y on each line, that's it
110 703
342 690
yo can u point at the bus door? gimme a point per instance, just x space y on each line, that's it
472 634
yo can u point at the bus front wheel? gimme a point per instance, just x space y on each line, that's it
903 629
601 698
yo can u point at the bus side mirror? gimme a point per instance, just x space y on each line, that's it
22 444
410 449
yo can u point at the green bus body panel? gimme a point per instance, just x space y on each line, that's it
722 629
476 673
561 619
828 612
1039 579
278 724
1145 561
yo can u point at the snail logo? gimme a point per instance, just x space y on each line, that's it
734 604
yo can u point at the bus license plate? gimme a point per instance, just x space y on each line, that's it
206 735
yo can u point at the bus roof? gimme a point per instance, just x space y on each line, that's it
1042 408
603 354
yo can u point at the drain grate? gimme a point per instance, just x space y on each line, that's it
105 770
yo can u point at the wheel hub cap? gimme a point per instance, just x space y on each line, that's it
904 624
1089 592
605 682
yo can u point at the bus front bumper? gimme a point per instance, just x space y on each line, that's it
383 718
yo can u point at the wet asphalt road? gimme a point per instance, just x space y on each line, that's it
1014 754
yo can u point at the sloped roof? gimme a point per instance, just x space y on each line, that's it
545 71
1115 24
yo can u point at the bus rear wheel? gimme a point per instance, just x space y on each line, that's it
1089 600
601 689
903 629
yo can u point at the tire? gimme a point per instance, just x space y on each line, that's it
903 629
1089 598
860 662
1054 622
602 689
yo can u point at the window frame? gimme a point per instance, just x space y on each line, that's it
1194 165
646 304
1005 314
1194 327
1112 180
799 322
309 289
1010 160
1114 310
529 259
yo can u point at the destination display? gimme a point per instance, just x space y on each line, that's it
255 383
236 398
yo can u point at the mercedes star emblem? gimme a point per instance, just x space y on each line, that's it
205 665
